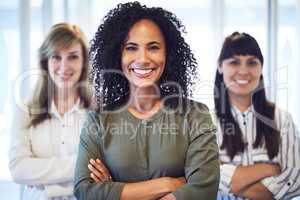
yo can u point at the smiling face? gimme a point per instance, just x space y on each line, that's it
65 66
241 75
144 54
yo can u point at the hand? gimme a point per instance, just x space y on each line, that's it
169 196
99 173
274 169
175 183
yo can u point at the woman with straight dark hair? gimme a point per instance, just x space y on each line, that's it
154 142
45 133
258 142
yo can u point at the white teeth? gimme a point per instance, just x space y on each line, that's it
142 71
242 82
64 76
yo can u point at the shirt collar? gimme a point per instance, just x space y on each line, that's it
75 108
237 112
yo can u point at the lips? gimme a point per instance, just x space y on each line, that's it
142 73
242 81
65 77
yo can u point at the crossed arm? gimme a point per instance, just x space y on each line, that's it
153 189
246 180
201 171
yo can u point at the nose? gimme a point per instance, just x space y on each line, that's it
64 63
243 70
143 57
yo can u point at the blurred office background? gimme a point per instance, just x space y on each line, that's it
274 23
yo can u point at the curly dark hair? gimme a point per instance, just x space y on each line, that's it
112 89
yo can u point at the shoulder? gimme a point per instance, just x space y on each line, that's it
94 118
282 117
198 116
285 123
196 111
95 122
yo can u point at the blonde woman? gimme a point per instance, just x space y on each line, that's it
45 134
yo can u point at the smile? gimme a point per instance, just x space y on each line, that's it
142 73
242 82
65 76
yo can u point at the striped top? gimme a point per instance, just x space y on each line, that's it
284 186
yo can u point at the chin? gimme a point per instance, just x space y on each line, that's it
144 85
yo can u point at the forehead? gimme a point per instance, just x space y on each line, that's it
64 48
145 30
244 57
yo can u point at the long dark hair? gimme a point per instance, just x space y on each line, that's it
266 133
112 89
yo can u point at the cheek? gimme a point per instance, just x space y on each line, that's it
124 65
53 66
125 62
80 67
257 74
227 78
256 82
51 70
161 61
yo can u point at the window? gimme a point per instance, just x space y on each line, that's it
287 69
9 62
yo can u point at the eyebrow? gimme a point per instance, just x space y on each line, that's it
150 43
73 52
131 43
154 42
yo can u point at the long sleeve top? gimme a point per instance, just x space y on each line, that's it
168 144
284 186
43 157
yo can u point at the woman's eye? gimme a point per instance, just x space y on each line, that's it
130 48
252 63
74 57
55 57
234 62
155 47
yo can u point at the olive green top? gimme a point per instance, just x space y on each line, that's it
170 143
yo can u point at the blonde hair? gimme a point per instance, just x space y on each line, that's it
61 36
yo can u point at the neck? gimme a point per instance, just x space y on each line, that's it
144 101
65 99
241 102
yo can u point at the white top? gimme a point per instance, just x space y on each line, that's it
43 157
284 186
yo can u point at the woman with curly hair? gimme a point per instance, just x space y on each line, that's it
259 143
145 140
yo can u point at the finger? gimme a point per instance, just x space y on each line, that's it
98 174
94 178
101 167
105 170
97 170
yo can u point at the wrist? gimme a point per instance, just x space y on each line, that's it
168 184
